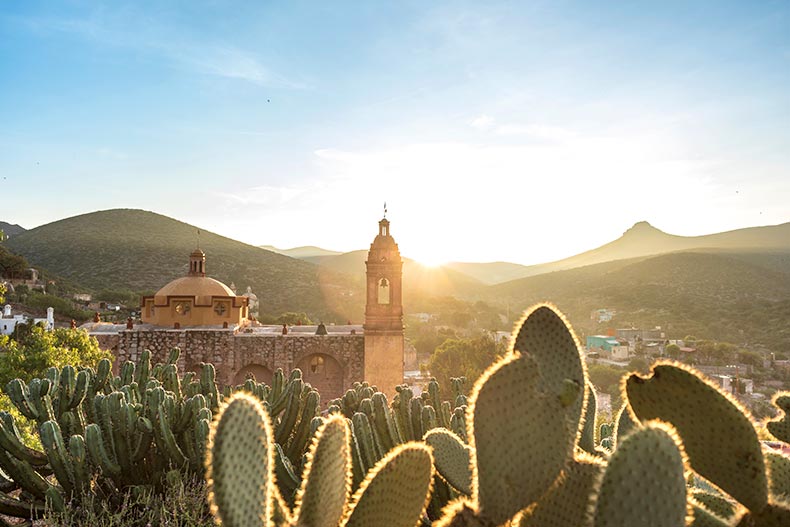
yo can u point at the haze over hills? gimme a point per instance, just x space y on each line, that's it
710 294
11 229
418 279
139 250
640 240
304 253
730 286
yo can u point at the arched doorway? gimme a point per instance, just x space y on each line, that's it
261 374
324 373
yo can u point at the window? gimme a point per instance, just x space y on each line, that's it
384 291
220 308
183 308
317 364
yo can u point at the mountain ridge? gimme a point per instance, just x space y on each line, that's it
137 250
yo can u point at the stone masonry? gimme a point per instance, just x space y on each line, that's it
232 352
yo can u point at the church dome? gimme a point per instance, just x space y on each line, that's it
201 287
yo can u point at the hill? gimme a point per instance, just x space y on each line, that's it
738 296
491 272
640 240
419 281
10 229
303 253
142 251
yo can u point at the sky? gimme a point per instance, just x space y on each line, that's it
523 131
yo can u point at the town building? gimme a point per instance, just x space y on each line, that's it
9 320
609 347
210 323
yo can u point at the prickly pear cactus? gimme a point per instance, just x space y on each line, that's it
453 459
524 422
780 427
239 464
241 457
644 481
719 437
325 488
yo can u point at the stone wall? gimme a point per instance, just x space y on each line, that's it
232 353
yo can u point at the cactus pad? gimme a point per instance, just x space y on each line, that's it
547 336
521 435
396 491
452 458
644 482
240 463
780 427
718 436
327 480
568 502
779 474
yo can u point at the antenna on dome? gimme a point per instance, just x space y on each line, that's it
198 238
385 210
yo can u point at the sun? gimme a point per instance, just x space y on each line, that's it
431 261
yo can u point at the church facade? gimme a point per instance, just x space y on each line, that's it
210 323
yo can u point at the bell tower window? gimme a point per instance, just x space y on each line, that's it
317 364
384 291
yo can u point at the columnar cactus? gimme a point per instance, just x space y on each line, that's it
240 464
103 434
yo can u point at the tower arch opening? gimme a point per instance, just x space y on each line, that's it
384 291
324 373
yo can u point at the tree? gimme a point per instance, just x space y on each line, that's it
604 376
291 318
33 349
672 350
12 265
464 357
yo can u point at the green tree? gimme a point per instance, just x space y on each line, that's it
604 376
672 350
751 358
33 349
291 318
464 357
12 265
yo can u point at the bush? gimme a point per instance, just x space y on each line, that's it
34 349
182 505
464 357
62 306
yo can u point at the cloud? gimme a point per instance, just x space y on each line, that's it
482 122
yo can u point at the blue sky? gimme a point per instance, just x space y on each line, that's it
522 131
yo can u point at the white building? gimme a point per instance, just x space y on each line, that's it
9 321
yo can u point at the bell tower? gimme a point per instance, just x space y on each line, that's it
197 263
384 312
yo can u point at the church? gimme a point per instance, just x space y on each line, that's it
210 323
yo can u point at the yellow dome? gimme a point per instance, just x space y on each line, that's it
201 287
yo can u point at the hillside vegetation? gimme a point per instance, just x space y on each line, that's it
736 297
639 241
142 251
10 229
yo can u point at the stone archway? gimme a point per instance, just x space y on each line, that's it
261 374
324 373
